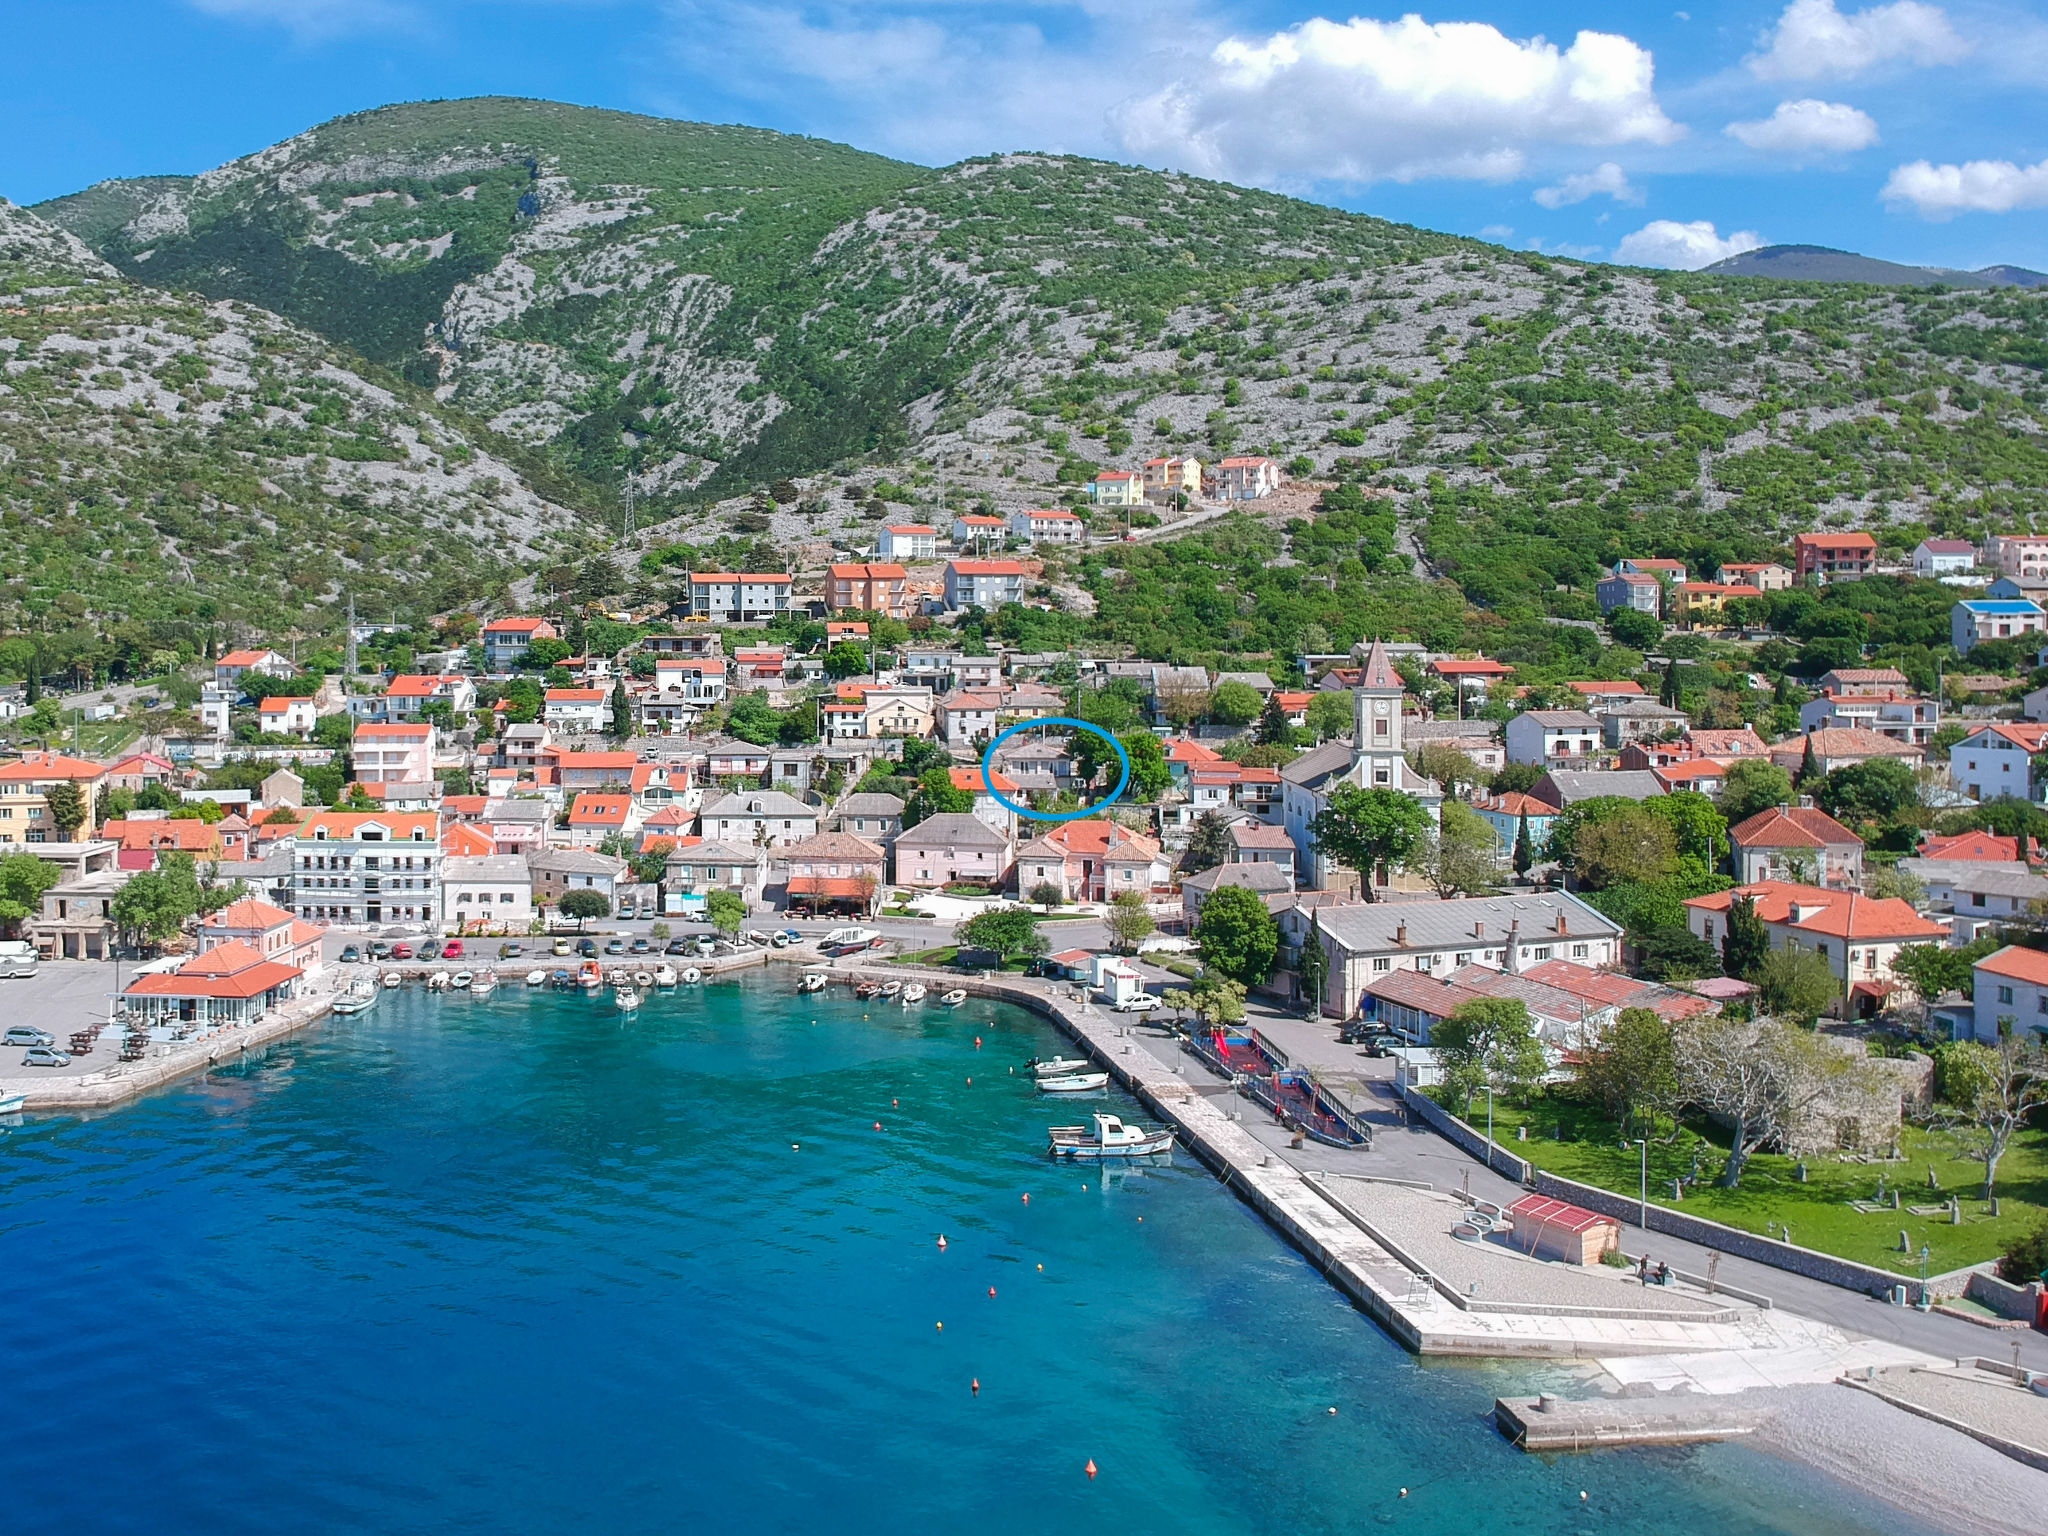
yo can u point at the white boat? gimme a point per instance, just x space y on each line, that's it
690 976
1108 1137
914 993
756 936
461 981
392 978
437 981
536 978
954 998
1079 1082
643 979
814 981
626 999
664 975
359 996
1059 1066
892 988
484 985
12 1103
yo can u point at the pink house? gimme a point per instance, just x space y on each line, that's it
396 752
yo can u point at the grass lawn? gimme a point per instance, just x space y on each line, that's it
1818 1211
946 954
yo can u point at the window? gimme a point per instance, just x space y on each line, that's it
2005 994
1578 951
1384 964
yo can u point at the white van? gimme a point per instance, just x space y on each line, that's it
840 936
17 958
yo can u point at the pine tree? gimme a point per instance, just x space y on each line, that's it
1809 770
1525 852
1667 692
1273 729
622 711
1748 943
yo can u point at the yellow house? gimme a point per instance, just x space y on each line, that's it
1117 488
24 804
1166 478
1704 599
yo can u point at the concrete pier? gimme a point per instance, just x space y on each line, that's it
1585 1424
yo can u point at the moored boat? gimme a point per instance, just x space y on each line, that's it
359 996
664 975
392 978
589 976
892 988
1107 1137
954 998
814 981
690 976
1078 1082
485 984
866 989
1058 1066
643 979
437 981
626 999
461 981
914 993
12 1103
563 981
536 977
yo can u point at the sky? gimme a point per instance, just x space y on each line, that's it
1909 130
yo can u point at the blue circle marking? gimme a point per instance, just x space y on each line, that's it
988 772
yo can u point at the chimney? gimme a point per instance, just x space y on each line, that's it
1401 934
1563 927
1479 930
1806 802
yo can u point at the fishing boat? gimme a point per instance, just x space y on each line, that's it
536 977
756 936
914 993
392 978
563 981
626 999
589 976
359 997
1059 1066
814 981
461 981
664 975
866 989
690 976
954 998
1107 1137
1079 1082
437 981
892 988
12 1103
484 985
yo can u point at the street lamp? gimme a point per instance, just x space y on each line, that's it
1643 1217
1925 1303
1489 1125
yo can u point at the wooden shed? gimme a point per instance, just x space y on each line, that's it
1551 1229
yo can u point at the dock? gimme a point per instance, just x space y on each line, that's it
1550 1423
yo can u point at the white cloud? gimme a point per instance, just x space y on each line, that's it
1815 41
1807 127
311 19
1497 232
1608 179
1688 247
1940 192
1363 101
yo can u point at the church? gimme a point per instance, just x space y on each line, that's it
1374 758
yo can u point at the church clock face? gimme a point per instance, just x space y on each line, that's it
1379 706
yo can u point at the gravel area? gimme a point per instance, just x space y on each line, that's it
1981 1399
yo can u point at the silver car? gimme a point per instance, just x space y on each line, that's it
27 1034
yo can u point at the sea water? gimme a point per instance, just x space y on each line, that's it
528 1264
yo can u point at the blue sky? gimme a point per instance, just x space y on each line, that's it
1911 130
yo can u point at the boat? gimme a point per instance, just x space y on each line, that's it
756 936
892 988
1059 1066
563 981
437 981
690 976
359 996
643 979
914 993
536 977
1107 1137
461 981
12 1103
484 985
589 976
626 999
1079 1082
814 981
664 975
866 989
954 998
392 978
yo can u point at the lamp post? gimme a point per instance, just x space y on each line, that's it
1489 1125
1643 1216
1925 1304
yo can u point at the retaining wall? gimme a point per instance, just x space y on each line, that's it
1451 1128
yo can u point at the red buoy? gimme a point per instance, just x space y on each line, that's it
974 1386
991 1293
977 1042
878 1126
942 1240
1027 1199
892 1103
1090 1469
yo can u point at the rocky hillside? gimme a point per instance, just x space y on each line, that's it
172 466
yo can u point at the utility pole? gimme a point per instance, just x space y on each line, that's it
351 666
627 536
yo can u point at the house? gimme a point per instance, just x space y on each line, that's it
1979 893
25 787
558 871
575 710
1656 569
409 693
907 541
1548 1228
1859 936
2009 992
952 848
367 867
1993 618
232 668
1741 741
506 641
1695 600
1825 557
2019 557
1832 749
984 786
1092 861
1944 557
1477 739
1056 525
1247 478
1506 933
738 597
1601 696
231 985
1975 847
401 753
1566 787
1542 736
1765 576
271 930
696 642
1039 765
870 710
1641 720
767 818
695 869
1703 775
976 530
1165 479
595 770
1112 488
1800 843
831 871
1901 716
1630 589
969 719
984 584
1996 760
878 818
1469 675
140 769
1269 882
1505 813
516 826
487 891
141 841
76 919
872 587
1254 842
287 717
597 815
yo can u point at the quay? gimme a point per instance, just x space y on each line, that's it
1548 1423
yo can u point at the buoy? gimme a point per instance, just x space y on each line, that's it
1404 1493
1141 1220
974 1386
977 1042
796 1146
1333 1413
1027 1199
1041 1269
1090 1469
970 1082
863 1016
878 1126
1084 1189
991 1293
892 1103
1582 1495
941 1327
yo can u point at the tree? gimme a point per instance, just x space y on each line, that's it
1273 728
1312 966
753 719
1630 1068
934 796
1797 984
583 904
1933 969
1369 829
1674 954
1696 823
23 879
1330 714
1488 1040
1629 845
1747 943
1757 1077
65 803
1516 779
1150 776
1238 935
1008 931
1889 882
1217 1000
543 654
1667 690
1208 844
622 711
1128 922
2027 1259
1995 1089
1752 785
846 660
1809 769
1876 790
1525 850
650 862
1449 767
155 903
1635 629
727 911
1234 704
1046 894
1462 856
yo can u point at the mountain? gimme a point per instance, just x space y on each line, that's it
170 464
1821 264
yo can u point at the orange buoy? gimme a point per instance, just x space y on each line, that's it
991 1293
878 1126
1090 1469
974 1386
977 1042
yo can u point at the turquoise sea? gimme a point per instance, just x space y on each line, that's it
515 1265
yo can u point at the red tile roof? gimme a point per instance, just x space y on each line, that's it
600 810
1977 847
975 780
1792 827
1833 914
249 913
242 658
2019 963
33 766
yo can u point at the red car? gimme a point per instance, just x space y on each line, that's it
452 950
401 951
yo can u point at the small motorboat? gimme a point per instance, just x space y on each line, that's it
664 975
589 976
756 936
866 989
563 981
461 981
913 993
690 976
536 977
484 985
954 998
1078 1082
643 979
1059 1066
814 981
392 978
1107 1137
359 997
892 988
626 999
437 981
13 1103
618 976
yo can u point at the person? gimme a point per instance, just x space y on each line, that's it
1663 1273
1643 1269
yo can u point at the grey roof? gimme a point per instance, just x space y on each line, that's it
486 866
1369 927
715 852
1561 719
1312 770
951 829
518 810
1254 877
1992 879
1568 786
1258 680
758 802
871 805
1450 730
1648 709
575 861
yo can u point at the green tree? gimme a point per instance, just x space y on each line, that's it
1696 823
1488 1040
727 911
1150 776
1451 768
1369 829
1747 944
543 654
583 904
1516 779
65 803
1009 931
23 879
1208 844
1329 714
1525 849
1627 845
846 660
1877 790
1462 857
753 719
934 796
1797 984
622 711
1273 728
1995 1089
156 903
1752 785
1234 703
1673 954
1238 936
1312 967
1635 629
1127 922
1630 1069
1046 894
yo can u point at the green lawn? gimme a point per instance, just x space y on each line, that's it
1569 1138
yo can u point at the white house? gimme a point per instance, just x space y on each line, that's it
1996 760
410 693
738 597
767 818
1247 479
487 890
1993 618
394 752
2011 985
576 709
288 717
907 541
236 665
984 584
506 640
1544 736
1049 525
1943 557
980 530
367 866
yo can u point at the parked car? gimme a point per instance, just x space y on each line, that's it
706 945
401 951
349 956
27 1034
1141 1002
561 946
677 947
380 950
587 948
615 946
452 950
640 945
628 908
510 951
46 1056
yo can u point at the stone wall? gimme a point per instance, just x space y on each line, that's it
1452 1129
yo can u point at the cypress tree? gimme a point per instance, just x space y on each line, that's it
1748 943
1525 852
1667 692
1809 770
622 711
